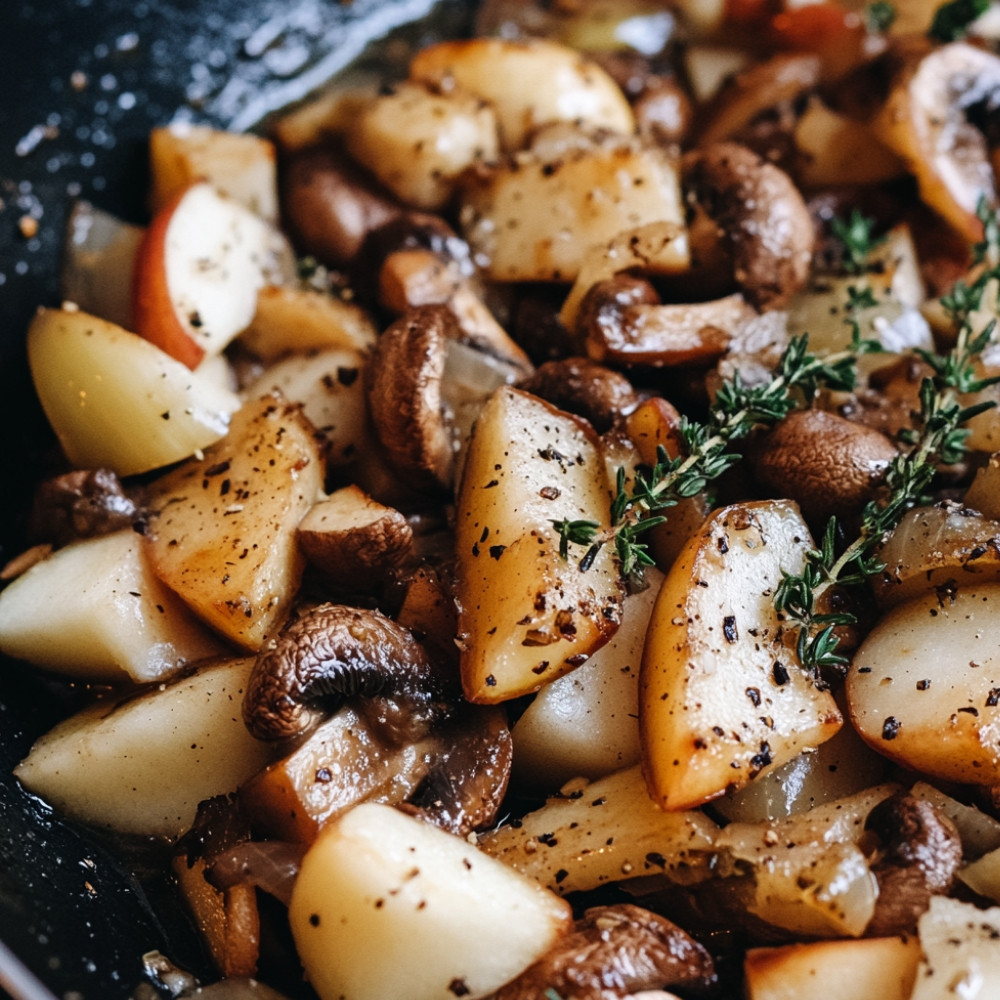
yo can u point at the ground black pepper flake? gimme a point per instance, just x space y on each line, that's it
729 628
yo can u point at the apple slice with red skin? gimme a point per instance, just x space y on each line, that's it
197 273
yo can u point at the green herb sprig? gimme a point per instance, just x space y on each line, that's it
738 409
952 20
857 235
939 439
879 17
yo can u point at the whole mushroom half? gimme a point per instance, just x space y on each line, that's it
332 653
761 218
933 119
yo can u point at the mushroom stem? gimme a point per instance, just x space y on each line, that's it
330 654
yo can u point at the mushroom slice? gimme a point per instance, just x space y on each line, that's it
586 388
467 779
419 277
624 322
227 918
928 119
923 853
82 504
330 204
655 248
762 219
612 952
425 388
781 79
331 653
351 537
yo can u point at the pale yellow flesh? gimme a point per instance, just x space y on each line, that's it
95 610
833 970
144 766
115 401
921 686
389 906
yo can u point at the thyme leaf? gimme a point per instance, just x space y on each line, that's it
856 233
939 438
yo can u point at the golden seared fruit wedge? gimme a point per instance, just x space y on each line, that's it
386 905
528 615
924 687
143 764
959 945
722 696
223 535
553 242
294 319
115 400
585 724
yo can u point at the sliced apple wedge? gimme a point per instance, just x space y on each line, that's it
722 696
527 615
923 687
95 610
386 905
223 537
117 765
197 273
115 400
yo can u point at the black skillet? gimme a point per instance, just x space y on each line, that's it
81 84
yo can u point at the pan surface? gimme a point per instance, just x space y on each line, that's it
82 82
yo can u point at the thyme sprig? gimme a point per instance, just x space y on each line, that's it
857 236
938 439
738 409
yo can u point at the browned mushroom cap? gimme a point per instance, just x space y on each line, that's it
330 205
761 216
466 783
923 852
611 952
624 322
81 504
827 464
333 653
583 387
756 90
405 394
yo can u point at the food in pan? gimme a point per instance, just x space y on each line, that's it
546 509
